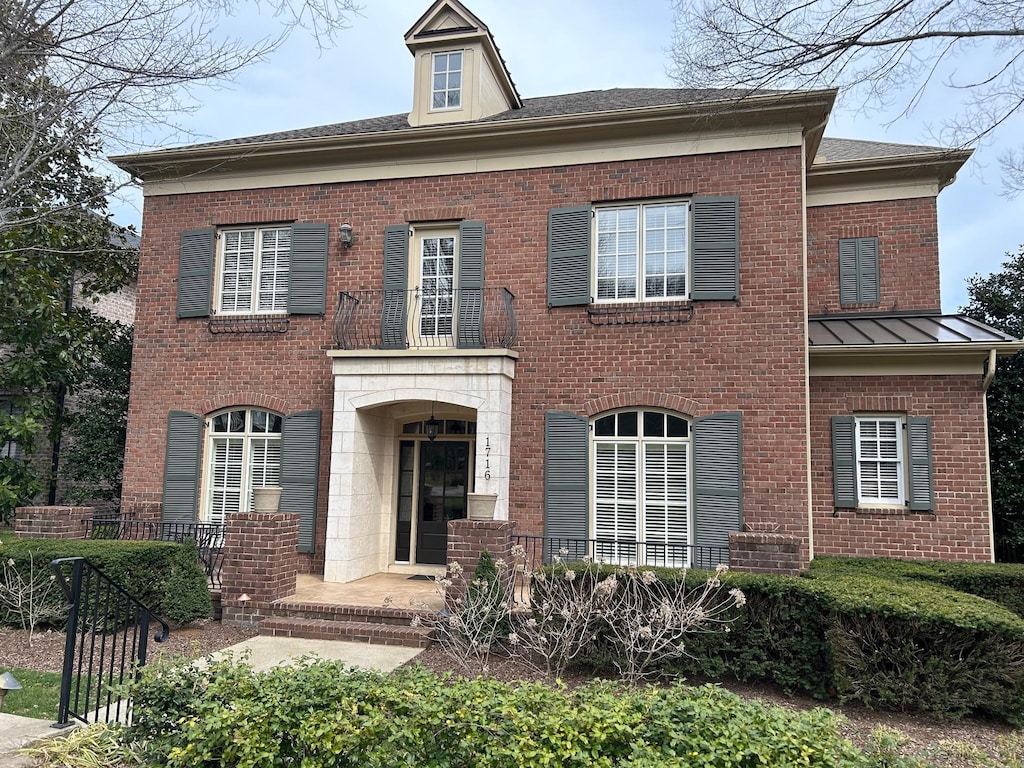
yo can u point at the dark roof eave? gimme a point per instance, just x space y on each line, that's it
820 100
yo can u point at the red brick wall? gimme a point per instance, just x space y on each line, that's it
51 522
259 561
908 253
959 527
746 355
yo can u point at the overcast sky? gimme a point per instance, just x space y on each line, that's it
563 46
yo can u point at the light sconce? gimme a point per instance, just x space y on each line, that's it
432 426
346 235
7 683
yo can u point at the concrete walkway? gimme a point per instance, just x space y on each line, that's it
264 653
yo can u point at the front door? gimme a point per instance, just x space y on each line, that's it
443 482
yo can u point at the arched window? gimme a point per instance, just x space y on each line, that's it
244 452
641 491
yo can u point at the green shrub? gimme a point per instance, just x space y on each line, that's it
1002 583
318 715
163 576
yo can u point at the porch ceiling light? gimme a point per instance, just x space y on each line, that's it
345 231
7 683
432 426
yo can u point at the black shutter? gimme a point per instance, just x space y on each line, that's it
470 310
566 483
922 494
181 467
716 251
396 286
717 485
195 273
844 462
300 470
859 282
307 269
569 256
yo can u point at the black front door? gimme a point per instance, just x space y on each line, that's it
444 477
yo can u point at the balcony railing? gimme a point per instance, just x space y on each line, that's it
462 318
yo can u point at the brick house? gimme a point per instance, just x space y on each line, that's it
648 322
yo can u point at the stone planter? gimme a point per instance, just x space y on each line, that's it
266 500
481 505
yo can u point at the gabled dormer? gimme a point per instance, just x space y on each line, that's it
459 73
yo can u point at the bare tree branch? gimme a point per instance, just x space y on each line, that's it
872 49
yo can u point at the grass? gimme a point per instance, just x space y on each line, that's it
39 696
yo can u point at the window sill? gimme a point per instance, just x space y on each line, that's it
881 511
641 313
248 324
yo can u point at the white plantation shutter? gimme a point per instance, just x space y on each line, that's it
275 250
237 271
666 503
226 477
615 495
265 463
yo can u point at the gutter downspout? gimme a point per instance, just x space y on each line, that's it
990 371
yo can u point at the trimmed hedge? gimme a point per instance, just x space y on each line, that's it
319 714
889 643
163 576
1002 583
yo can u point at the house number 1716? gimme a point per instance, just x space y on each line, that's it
487 458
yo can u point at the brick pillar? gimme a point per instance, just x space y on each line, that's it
260 560
759 552
51 522
467 539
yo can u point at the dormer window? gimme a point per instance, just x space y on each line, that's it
447 83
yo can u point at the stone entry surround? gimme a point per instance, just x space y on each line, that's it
373 394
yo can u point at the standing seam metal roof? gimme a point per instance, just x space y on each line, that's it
882 330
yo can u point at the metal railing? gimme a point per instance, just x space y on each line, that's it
540 551
460 318
106 643
209 538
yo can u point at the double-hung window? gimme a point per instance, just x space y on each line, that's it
253 270
881 469
641 462
642 251
446 89
244 452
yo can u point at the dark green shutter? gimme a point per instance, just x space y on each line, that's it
195 273
859 282
922 494
716 250
470 310
566 482
300 471
844 462
717 485
396 286
181 467
307 269
569 256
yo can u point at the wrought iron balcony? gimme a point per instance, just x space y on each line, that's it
462 318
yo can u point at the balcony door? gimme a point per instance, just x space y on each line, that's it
433 274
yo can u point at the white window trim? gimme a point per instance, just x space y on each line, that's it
419 235
462 81
902 468
206 508
641 284
254 309
640 442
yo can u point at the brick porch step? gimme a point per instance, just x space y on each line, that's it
353 631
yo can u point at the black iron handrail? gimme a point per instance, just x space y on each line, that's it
106 643
209 538
459 318
539 551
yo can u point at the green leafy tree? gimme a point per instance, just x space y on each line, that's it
94 436
58 243
998 300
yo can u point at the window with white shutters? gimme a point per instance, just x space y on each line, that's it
253 270
244 453
641 487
